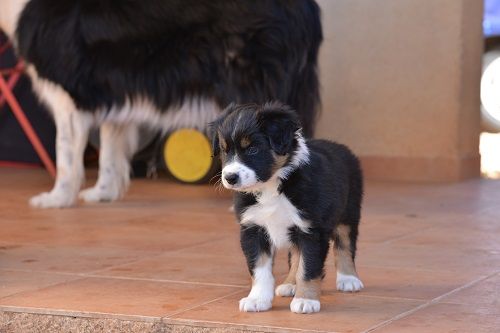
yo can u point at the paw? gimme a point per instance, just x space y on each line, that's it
53 199
302 305
249 304
349 283
100 194
285 290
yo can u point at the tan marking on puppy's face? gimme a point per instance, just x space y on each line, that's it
245 142
343 255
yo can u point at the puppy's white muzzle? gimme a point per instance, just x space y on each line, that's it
237 176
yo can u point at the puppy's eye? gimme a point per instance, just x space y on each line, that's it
252 150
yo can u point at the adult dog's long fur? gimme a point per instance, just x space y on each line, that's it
168 63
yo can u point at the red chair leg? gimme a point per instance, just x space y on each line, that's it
27 128
11 83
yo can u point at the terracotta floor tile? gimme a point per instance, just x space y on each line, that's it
118 296
450 238
439 318
13 282
68 259
417 242
386 227
402 282
485 294
433 257
187 267
339 313
195 267
148 233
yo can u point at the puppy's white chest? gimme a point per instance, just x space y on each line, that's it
277 215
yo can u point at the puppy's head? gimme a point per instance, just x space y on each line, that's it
255 143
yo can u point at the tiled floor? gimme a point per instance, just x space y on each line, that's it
167 258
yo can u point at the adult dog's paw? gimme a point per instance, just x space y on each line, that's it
53 199
100 194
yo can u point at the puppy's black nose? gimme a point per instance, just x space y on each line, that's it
231 178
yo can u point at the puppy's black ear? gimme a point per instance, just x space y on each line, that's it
214 137
279 123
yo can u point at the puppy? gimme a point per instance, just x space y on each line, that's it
289 193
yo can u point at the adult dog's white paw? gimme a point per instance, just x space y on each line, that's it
250 304
349 283
285 290
303 305
100 194
53 199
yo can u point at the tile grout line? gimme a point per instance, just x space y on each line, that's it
76 313
152 256
202 304
179 321
201 323
405 236
75 278
80 276
207 284
425 305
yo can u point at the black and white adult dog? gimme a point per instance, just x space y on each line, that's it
166 63
292 193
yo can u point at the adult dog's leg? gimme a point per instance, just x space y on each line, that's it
71 139
118 144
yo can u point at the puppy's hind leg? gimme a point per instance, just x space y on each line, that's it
71 139
118 144
345 251
287 288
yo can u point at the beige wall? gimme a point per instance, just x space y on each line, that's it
400 85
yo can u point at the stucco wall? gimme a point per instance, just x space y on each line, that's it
400 85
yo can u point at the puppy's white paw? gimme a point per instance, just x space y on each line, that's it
285 290
303 305
349 283
100 194
53 199
250 304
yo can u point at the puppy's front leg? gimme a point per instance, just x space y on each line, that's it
313 250
259 254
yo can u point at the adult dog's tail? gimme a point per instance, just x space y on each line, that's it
305 96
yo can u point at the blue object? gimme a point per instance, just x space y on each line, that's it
491 22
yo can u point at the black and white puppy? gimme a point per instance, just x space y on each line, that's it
290 193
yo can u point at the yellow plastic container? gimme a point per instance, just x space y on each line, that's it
188 156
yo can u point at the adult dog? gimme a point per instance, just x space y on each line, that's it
166 63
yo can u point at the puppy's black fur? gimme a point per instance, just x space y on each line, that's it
326 189
105 52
